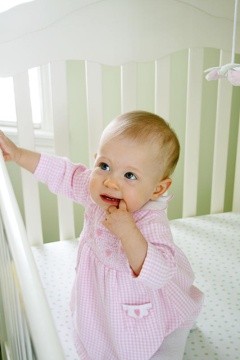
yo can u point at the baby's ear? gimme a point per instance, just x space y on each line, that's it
161 188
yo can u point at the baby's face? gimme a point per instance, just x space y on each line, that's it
125 170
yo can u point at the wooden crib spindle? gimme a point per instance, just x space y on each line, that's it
24 280
223 116
128 87
236 189
94 106
61 142
162 87
26 139
192 133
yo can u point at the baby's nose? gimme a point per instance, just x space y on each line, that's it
110 183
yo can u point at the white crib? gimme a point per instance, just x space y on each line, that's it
104 58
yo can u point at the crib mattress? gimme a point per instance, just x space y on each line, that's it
212 245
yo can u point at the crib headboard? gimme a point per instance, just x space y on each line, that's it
105 58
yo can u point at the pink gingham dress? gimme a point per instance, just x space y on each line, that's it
116 315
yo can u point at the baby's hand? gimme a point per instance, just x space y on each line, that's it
9 149
119 221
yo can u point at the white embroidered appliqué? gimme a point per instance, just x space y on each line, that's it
137 311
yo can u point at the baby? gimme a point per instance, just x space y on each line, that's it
133 297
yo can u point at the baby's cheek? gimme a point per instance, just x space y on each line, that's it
133 203
93 187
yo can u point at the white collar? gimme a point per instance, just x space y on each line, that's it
160 204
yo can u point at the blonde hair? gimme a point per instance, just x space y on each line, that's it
143 126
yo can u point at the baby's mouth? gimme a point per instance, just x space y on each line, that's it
110 200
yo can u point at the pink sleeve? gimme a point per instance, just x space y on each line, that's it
159 266
63 177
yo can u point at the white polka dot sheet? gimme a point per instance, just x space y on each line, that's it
56 264
212 245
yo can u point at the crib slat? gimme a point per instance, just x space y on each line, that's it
192 136
236 192
61 142
128 87
26 139
35 306
94 106
162 87
221 140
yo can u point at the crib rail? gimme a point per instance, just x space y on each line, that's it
22 300
15 338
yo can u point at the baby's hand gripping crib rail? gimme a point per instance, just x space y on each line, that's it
27 328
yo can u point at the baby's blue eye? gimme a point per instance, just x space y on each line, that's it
130 176
104 166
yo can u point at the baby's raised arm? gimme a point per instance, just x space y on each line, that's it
23 157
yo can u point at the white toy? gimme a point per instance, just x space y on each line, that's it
229 71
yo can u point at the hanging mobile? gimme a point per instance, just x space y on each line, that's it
229 71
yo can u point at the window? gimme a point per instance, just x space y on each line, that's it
35 95
7 104
40 98
39 83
